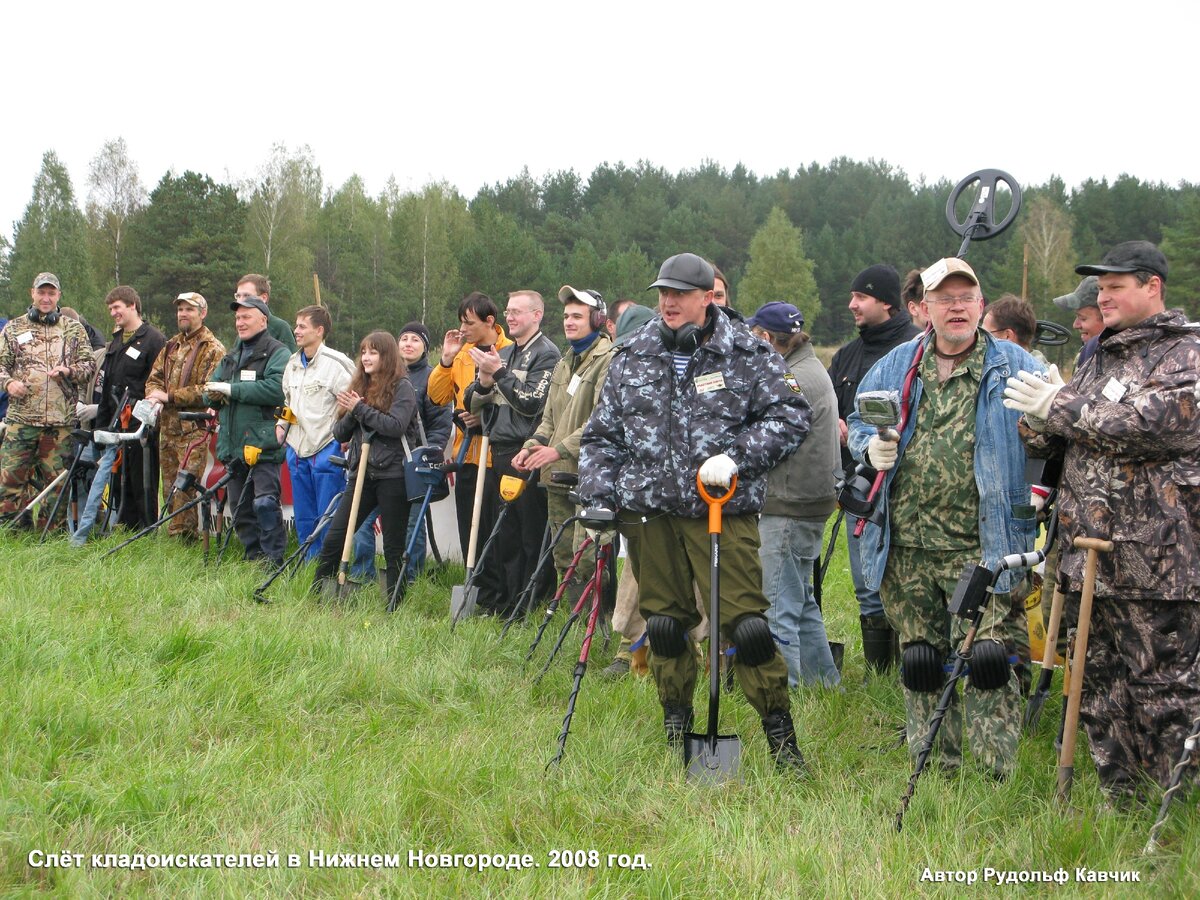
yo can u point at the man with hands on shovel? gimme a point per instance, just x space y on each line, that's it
1128 429
695 390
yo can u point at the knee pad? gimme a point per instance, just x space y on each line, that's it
752 636
267 511
921 668
667 636
989 665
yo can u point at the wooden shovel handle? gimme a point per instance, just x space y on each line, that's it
1098 544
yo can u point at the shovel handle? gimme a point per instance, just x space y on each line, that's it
715 503
1098 544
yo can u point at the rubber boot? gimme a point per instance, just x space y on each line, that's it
677 721
638 664
879 644
781 738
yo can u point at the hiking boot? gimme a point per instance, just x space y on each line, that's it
677 721
781 739
618 668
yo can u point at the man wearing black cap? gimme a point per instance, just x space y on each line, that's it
1128 429
882 323
313 377
696 394
248 388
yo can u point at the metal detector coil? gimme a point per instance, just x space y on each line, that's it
980 223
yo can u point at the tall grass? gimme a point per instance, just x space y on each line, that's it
147 705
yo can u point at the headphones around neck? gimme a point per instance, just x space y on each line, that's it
50 318
688 337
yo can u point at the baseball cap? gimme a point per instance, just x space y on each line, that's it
685 272
251 303
47 278
192 299
779 317
566 294
1087 294
943 269
1131 256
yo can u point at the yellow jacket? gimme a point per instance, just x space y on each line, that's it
450 383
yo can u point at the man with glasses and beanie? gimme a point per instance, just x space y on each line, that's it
954 496
1127 428
515 381
695 393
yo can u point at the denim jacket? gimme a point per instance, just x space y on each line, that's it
1006 519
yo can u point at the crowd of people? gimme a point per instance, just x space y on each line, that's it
645 400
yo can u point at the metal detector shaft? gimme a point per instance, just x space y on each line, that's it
294 561
552 606
526 595
576 612
1185 757
206 495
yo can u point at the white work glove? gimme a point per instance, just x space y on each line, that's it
718 470
1032 395
882 450
86 412
222 388
1037 501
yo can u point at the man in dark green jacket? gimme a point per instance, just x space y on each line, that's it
248 388
259 286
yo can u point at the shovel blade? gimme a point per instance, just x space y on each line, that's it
1033 711
712 759
462 602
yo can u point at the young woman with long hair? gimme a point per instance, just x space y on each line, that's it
381 400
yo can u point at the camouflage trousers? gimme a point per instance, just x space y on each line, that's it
1141 689
172 448
30 458
668 554
916 586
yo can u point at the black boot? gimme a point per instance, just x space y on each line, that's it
781 738
677 721
879 643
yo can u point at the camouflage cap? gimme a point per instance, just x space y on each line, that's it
192 299
1086 294
46 278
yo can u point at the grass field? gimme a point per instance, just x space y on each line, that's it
147 706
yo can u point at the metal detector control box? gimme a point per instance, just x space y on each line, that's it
880 409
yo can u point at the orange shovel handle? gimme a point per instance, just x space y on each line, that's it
715 503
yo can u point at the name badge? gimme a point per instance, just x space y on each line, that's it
1114 390
573 386
24 337
133 352
713 381
249 375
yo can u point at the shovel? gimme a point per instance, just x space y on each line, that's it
463 596
1066 759
713 757
352 522
1033 712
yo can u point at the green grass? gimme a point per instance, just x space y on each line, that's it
147 705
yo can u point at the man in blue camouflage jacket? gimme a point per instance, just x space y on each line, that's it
698 392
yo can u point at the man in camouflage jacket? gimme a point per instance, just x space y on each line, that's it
1128 429
45 363
696 393
177 382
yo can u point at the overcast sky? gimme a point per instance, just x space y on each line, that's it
470 92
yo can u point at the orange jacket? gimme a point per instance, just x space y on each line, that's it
450 383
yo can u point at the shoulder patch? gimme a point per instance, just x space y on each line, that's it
790 380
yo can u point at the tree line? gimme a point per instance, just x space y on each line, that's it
386 259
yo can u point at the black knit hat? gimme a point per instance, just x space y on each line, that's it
419 330
879 281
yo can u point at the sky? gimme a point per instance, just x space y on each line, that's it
469 93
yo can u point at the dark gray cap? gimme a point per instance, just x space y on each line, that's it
1085 295
685 272
1131 256
251 303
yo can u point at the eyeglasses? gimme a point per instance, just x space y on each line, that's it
964 299
516 311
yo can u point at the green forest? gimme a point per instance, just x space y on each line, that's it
797 235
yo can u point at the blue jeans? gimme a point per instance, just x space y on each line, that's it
315 481
91 508
787 551
362 567
869 603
